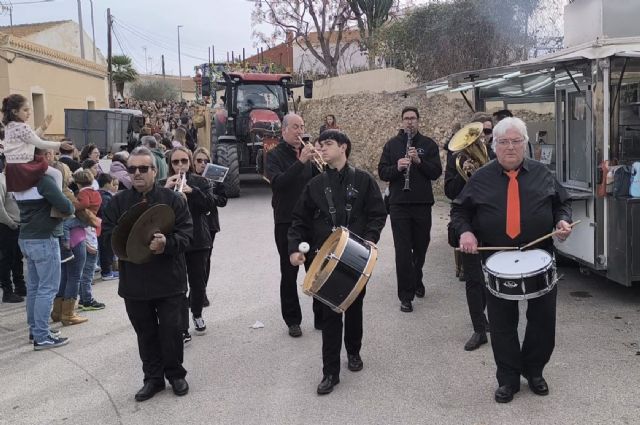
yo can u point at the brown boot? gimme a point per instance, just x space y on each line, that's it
69 316
56 312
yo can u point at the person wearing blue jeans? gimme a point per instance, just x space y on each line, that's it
38 242
65 301
87 302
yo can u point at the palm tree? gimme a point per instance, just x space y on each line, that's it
122 72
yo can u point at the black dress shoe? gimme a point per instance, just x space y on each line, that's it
295 331
538 385
327 384
148 390
11 298
354 363
406 306
476 340
505 393
180 386
420 292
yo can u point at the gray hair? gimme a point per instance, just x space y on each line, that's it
286 118
509 123
143 151
149 141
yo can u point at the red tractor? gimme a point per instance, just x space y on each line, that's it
251 122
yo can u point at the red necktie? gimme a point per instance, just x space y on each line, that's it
513 205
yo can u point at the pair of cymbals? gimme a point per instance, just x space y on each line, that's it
135 230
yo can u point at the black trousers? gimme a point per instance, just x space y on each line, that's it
539 338
332 334
158 326
197 277
289 302
11 268
105 251
475 287
208 266
411 227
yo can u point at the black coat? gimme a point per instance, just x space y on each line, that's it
288 176
200 201
312 221
70 162
420 175
166 274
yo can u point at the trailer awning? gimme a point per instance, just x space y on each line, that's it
533 76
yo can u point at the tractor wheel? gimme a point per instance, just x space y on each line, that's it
227 155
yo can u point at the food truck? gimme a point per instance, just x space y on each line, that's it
582 109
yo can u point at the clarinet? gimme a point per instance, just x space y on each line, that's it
407 176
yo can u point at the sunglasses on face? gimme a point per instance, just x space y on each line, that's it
487 131
183 161
143 169
202 161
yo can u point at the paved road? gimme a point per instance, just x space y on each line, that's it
415 368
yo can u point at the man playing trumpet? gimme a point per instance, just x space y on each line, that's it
289 168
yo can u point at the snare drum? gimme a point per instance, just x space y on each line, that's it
520 275
340 270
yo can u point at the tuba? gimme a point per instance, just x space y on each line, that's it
468 144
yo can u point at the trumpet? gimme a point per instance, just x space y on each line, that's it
317 156
180 185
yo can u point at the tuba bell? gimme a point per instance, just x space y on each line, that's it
468 144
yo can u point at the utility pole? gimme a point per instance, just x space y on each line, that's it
146 69
111 102
93 33
209 55
179 63
81 30
213 53
163 74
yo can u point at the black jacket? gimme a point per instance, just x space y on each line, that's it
453 181
312 221
221 201
288 176
420 175
200 201
70 162
166 274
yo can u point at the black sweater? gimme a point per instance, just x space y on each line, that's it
288 176
420 175
166 274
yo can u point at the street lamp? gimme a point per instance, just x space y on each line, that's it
9 7
179 63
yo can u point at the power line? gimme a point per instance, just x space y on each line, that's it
161 37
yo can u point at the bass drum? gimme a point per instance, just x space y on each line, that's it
340 270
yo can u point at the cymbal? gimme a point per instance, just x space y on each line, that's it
159 218
123 228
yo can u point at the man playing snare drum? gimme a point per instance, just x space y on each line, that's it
510 202
357 205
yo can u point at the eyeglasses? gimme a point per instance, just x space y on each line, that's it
143 169
202 160
183 161
409 118
514 143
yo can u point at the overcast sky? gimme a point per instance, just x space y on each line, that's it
226 24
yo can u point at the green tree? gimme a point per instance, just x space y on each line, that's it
122 72
442 38
370 15
153 90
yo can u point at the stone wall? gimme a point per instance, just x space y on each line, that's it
370 119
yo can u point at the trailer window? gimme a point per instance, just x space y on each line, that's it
578 149
625 127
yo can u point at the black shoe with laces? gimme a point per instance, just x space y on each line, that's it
354 363
10 297
406 306
327 384
148 390
505 393
180 386
295 331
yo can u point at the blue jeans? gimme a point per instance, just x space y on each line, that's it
71 273
86 296
43 279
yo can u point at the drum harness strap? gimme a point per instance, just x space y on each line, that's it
352 195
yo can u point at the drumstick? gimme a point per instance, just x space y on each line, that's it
552 234
494 248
